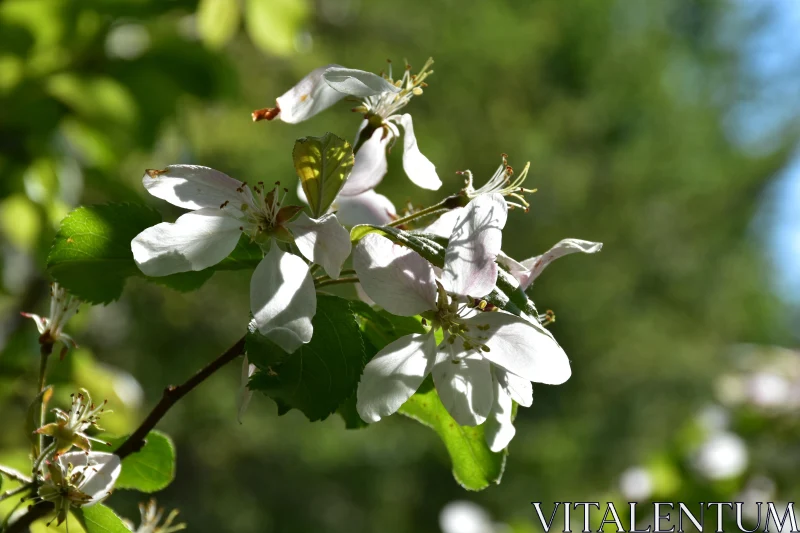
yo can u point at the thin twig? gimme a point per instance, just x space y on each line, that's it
171 395
12 492
10 473
45 350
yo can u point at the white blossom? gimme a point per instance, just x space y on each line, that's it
282 295
481 352
381 100
79 479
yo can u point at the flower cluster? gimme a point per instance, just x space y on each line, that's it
483 358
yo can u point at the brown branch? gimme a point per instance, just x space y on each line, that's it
171 395
135 442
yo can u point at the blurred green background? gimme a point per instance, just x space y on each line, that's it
644 124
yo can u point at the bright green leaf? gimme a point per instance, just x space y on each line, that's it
100 519
273 25
323 164
217 21
475 466
318 376
150 469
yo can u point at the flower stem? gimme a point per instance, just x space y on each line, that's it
171 395
451 202
10 473
45 350
13 492
352 279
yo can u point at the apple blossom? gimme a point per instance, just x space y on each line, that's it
79 479
70 429
381 99
528 270
63 307
282 295
151 520
478 352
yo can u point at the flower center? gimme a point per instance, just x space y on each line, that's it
264 214
386 104
502 182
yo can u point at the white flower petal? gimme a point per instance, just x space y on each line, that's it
41 322
499 429
464 384
370 165
398 279
523 348
323 241
394 374
444 225
418 168
283 300
310 96
365 208
100 469
195 241
359 83
245 394
469 263
520 389
535 265
194 187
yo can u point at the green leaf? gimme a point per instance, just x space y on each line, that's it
318 376
347 410
475 466
217 21
91 255
100 519
150 469
273 24
247 254
34 416
323 164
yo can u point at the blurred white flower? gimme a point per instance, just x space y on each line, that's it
636 484
722 456
768 389
466 517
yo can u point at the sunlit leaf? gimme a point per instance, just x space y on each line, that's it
323 164
217 21
100 519
475 466
150 469
273 25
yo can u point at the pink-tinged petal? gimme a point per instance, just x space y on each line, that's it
195 241
419 168
469 264
396 278
283 299
195 187
535 265
523 348
370 165
358 83
520 389
464 384
311 95
499 428
394 375
445 224
366 208
41 322
245 394
100 471
322 241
